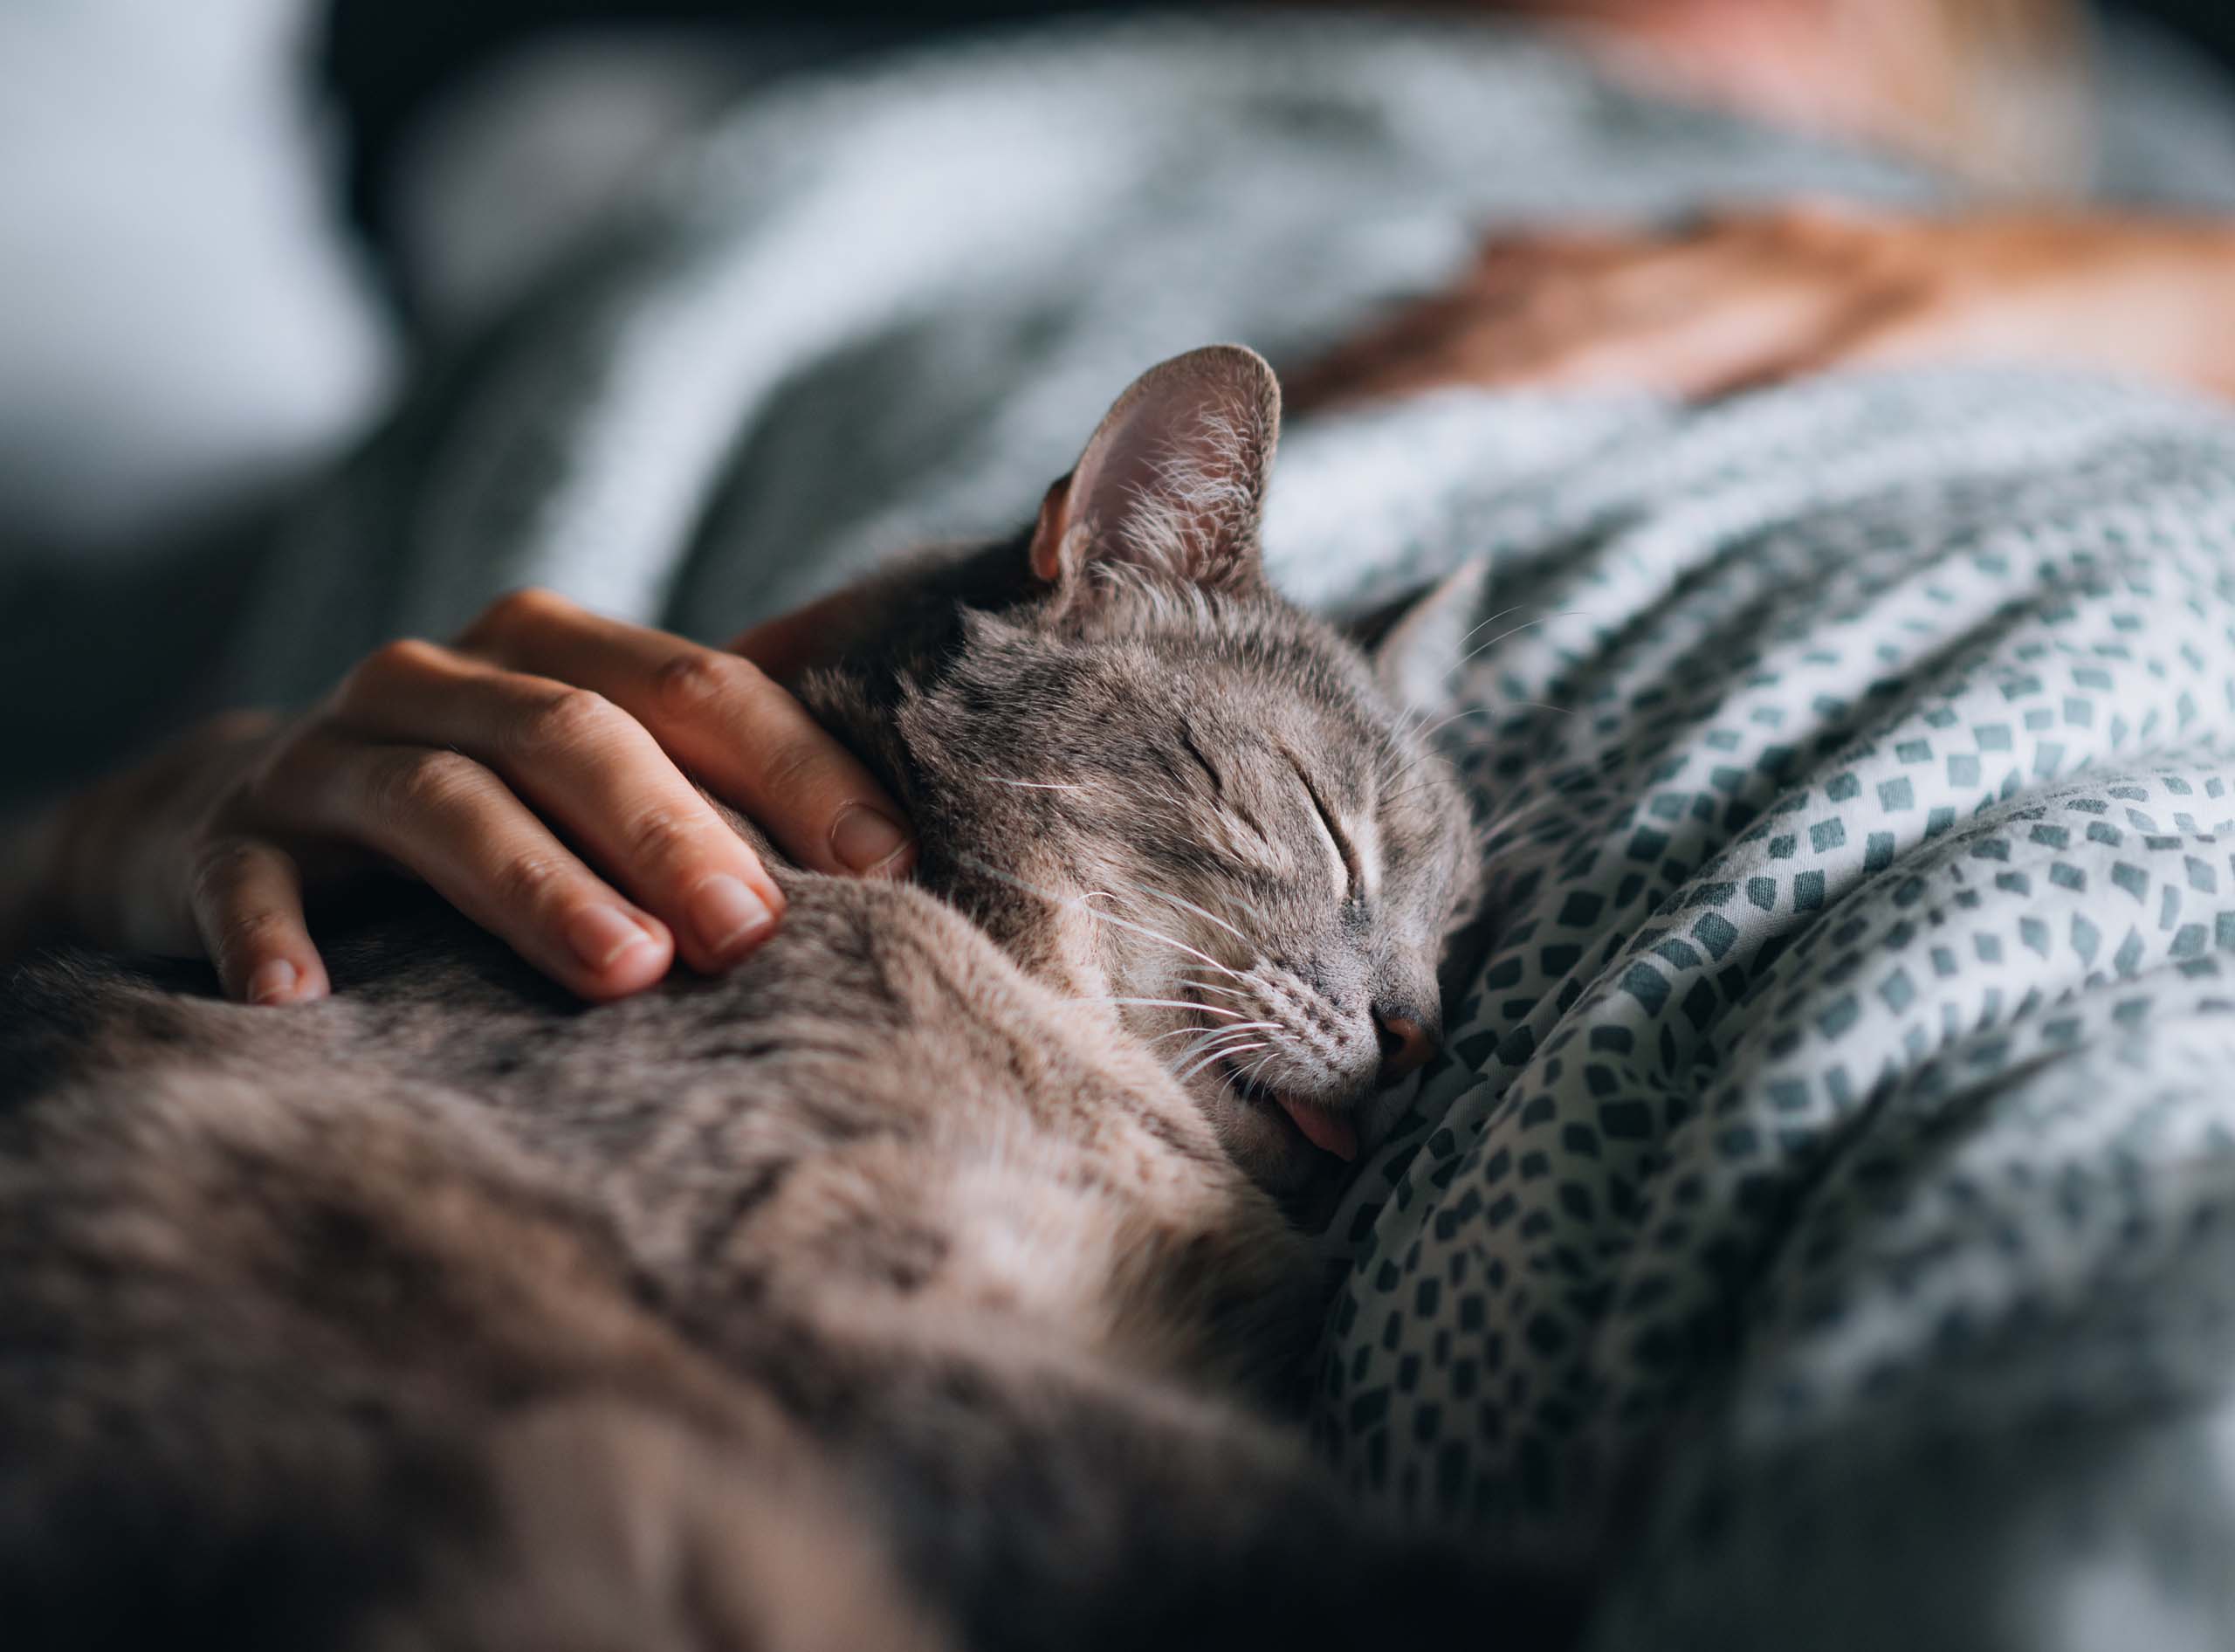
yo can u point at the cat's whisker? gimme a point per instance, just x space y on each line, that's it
1212 1059
1396 798
1211 987
1133 901
1242 1026
1215 1032
1391 773
1515 819
1084 905
1476 630
1039 785
1474 654
1210 1047
1409 724
1189 905
1248 1075
1411 717
1418 725
1424 759
1425 755
1455 776
1483 736
1523 810
1441 723
1162 1003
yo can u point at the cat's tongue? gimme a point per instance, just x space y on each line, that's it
1330 1133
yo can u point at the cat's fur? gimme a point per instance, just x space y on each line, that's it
889 1292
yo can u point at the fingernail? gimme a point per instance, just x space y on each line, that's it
273 981
726 913
600 934
864 840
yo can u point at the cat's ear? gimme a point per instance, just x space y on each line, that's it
1418 645
1173 484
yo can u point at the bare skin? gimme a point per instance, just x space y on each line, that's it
1748 298
538 773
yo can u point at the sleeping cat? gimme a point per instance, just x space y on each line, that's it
924 1281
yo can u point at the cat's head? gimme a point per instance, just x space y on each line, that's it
1182 798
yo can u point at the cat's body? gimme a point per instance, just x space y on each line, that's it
907 1286
877 1177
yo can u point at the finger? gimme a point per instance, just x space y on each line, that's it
792 642
1805 217
1670 314
453 823
1413 349
593 770
1405 349
1806 332
1587 310
247 903
1573 324
722 717
1716 330
1387 377
1896 332
1879 339
123 851
1518 345
1534 254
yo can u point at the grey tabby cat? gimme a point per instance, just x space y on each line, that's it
926 1281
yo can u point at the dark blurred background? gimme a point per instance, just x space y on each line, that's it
388 61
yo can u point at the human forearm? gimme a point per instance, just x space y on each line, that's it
1756 296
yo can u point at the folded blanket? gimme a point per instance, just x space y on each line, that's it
1818 1216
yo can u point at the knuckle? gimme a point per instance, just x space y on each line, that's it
1932 289
663 835
570 719
791 770
222 890
405 656
514 612
426 780
401 655
528 880
1806 220
1906 299
220 868
249 932
691 685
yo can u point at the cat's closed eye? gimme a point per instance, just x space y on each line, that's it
1210 769
1350 875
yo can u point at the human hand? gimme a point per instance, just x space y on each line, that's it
1752 298
533 773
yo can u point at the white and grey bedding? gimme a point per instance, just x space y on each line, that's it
1818 1229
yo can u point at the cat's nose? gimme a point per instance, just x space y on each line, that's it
1406 1046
